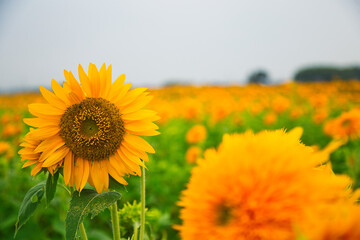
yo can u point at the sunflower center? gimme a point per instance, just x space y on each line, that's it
346 123
89 128
224 215
92 129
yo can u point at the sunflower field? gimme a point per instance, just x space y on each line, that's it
230 162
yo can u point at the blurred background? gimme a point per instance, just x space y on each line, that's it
197 58
160 42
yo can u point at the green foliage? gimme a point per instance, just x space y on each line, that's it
130 221
168 165
326 73
28 206
50 187
89 201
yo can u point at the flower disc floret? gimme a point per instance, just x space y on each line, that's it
92 129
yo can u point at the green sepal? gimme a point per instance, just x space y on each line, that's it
50 187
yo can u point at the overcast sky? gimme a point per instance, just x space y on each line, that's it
155 41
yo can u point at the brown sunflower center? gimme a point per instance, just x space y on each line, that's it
92 129
224 215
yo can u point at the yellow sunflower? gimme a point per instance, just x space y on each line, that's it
258 186
91 129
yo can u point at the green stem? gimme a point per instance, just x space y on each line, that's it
136 226
115 221
142 215
83 232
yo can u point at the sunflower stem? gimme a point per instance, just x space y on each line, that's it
136 226
82 231
115 221
142 214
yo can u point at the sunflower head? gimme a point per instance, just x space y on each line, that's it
91 129
257 186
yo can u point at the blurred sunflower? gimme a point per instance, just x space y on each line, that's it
258 187
196 134
270 118
90 129
192 154
344 126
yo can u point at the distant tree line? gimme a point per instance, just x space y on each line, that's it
321 74
259 77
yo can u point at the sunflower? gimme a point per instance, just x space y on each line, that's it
257 187
90 129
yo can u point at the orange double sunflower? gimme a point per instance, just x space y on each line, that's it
90 129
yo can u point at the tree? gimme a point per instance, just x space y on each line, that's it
259 77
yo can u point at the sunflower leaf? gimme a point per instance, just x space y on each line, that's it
115 185
88 201
50 187
29 204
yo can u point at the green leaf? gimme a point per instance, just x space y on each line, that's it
115 185
89 201
50 187
29 204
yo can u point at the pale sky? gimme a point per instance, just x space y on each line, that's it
152 42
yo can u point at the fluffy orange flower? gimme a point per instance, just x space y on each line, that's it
257 187
340 221
344 126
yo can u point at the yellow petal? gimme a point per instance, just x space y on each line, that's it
131 96
105 174
96 176
52 99
56 156
135 159
139 103
68 167
60 92
44 132
108 82
94 80
84 80
86 172
39 122
78 172
29 163
138 143
130 164
36 169
49 144
74 84
116 175
44 109
140 115
103 82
